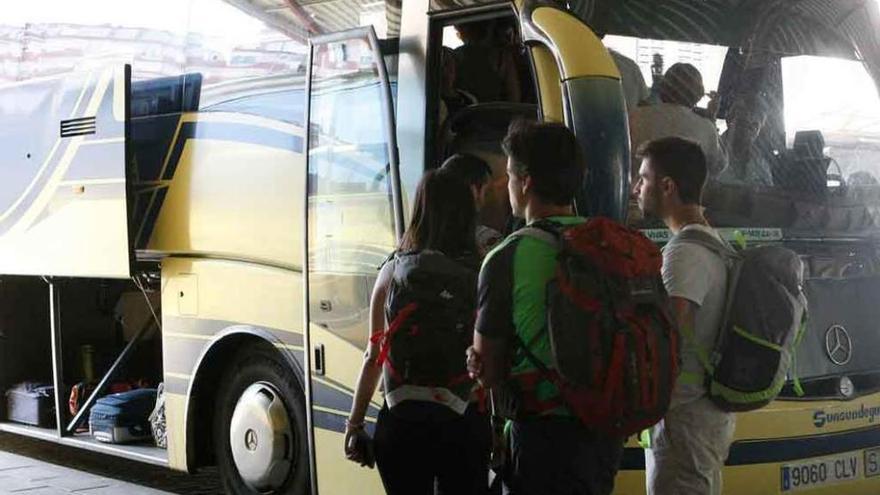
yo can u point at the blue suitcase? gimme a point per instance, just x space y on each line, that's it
124 417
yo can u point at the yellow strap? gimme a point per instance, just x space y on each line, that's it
690 378
688 333
645 438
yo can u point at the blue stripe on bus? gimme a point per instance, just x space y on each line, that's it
781 449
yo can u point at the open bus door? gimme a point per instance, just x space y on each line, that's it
579 84
63 187
354 219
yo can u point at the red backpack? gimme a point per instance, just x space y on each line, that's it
614 348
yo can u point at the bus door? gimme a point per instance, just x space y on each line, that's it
579 84
353 218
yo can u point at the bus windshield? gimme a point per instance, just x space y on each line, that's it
783 100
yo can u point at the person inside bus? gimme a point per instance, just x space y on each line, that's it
425 435
507 37
751 156
635 91
679 90
452 99
476 173
485 69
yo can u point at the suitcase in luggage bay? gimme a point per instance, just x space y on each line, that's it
123 417
31 403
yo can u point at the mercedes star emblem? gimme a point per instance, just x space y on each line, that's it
838 345
250 440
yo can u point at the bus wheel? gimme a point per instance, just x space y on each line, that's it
259 427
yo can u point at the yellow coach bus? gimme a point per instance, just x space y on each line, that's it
199 193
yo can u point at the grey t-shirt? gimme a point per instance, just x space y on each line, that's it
694 273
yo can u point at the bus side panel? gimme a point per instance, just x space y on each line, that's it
63 190
234 191
203 299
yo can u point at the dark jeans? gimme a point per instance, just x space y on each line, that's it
558 456
412 455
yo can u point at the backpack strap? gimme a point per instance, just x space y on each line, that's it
540 233
706 240
544 230
543 370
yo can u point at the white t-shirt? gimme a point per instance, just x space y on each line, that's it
697 274
650 122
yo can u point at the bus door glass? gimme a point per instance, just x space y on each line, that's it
353 220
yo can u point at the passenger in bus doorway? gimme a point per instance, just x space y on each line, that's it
689 445
476 173
431 429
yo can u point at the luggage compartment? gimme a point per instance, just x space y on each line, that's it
62 339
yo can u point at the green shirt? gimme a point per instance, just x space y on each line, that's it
512 303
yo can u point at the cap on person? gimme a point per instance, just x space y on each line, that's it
682 84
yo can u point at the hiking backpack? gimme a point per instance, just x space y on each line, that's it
764 320
430 309
615 351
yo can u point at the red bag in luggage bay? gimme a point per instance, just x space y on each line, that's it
614 348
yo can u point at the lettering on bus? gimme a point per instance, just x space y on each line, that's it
821 418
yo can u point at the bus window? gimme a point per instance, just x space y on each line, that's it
684 104
838 98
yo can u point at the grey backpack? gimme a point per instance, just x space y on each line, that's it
764 320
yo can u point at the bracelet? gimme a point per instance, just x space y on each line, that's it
354 426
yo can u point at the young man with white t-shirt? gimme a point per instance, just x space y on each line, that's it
689 446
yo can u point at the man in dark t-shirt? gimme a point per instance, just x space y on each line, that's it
551 451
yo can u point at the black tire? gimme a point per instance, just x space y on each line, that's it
252 365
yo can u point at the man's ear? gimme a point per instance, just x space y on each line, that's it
668 187
526 184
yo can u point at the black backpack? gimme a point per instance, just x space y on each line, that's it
430 309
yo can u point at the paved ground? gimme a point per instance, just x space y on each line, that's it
34 467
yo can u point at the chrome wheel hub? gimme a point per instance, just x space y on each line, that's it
261 438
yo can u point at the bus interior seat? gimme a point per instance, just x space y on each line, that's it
804 167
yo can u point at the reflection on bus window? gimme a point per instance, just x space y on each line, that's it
350 208
348 160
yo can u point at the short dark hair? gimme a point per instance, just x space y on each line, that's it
548 153
474 171
681 160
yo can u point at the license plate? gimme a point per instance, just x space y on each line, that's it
825 471
872 463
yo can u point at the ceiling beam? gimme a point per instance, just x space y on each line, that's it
304 17
272 20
